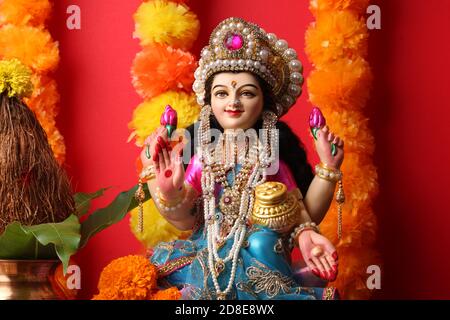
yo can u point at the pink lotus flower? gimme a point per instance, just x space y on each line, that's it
316 122
169 119
316 119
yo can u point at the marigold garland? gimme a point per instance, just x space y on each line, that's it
25 12
132 278
23 36
162 73
341 84
320 6
337 46
15 79
159 68
38 51
166 23
337 34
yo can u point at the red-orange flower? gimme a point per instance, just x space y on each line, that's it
159 68
131 278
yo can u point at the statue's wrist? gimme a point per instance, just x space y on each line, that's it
328 173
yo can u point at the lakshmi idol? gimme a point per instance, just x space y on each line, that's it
248 194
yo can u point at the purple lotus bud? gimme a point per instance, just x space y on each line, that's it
316 119
169 119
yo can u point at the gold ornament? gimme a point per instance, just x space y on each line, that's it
275 207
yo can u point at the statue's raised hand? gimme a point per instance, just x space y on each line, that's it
167 161
329 146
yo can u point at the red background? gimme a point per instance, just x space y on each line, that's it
408 115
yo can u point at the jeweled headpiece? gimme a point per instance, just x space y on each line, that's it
238 45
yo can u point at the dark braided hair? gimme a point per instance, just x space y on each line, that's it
292 150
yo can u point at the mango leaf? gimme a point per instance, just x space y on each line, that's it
83 201
111 214
43 241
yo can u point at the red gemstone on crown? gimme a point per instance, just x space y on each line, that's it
234 42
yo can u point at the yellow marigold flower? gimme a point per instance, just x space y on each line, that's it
15 79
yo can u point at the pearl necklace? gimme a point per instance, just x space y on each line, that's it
238 230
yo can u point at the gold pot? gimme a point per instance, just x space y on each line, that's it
27 279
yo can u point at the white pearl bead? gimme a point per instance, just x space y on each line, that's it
290 53
249 37
224 27
200 101
249 63
240 26
264 54
233 63
294 90
281 44
246 31
215 41
231 25
197 86
271 37
287 101
263 68
205 54
226 63
296 65
248 52
241 62
257 64
251 44
217 50
296 78
198 73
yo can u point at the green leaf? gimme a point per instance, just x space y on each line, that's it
43 241
83 200
111 214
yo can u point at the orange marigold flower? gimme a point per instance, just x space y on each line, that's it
358 6
344 84
127 278
167 294
22 12
159 68
34 47
334 36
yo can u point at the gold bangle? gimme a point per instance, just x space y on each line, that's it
148 173
334 175
297 231
169 205
330 174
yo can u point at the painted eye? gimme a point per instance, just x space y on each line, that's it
221 94
248 94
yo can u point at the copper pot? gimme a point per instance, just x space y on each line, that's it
27 279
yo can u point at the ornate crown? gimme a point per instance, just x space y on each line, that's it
237 45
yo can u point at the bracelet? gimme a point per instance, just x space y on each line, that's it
170 205
325 172
298 230
148 173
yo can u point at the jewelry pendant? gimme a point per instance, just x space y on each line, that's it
219 266
220 243
229 202
221 296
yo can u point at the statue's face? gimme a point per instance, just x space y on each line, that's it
236 100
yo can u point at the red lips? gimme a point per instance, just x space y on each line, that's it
234 112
